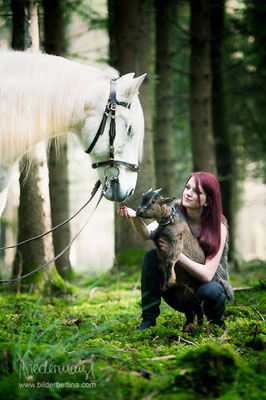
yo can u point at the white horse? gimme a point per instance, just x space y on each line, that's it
43 96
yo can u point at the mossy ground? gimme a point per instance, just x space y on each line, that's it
86 345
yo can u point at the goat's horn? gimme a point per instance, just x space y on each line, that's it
158 190
150 190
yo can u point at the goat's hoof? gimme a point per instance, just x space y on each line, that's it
171 283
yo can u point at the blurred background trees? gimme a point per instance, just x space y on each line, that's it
203 100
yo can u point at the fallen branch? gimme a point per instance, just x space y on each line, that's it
187 341
238 289
256 311
170 357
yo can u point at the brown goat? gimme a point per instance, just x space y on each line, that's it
179 286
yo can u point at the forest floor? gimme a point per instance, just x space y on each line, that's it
86 345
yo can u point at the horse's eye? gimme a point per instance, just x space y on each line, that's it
129 131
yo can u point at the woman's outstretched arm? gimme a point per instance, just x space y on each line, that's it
139 226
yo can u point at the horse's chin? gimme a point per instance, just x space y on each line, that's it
114 193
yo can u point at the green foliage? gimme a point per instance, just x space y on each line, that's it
90 345
130 259
245 73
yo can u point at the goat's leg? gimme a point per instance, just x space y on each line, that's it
163 284
172 259
177 245
170 271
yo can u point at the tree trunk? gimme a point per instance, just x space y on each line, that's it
33 26
54 43
164 116
130 51
34 209
224 155
33 219
202 139
18 24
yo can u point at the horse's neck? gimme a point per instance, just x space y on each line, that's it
50 102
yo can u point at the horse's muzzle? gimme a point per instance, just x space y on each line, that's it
114 192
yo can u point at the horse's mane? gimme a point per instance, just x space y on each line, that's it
43 95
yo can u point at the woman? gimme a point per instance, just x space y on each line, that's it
202 207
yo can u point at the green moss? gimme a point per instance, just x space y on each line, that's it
59 286
96 326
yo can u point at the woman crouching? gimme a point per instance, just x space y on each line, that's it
202 207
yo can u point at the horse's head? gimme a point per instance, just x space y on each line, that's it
115 142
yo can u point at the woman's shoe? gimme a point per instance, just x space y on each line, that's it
220 322
146 324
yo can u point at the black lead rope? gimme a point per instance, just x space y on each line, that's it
94 190
105 187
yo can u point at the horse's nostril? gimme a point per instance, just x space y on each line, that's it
131 192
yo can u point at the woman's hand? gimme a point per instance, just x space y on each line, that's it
126 212
164 246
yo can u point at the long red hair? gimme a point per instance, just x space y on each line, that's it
211 218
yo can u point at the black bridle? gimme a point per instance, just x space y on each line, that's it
110 110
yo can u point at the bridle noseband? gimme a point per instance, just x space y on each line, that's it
110 110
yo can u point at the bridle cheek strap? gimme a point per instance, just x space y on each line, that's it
100 130
110 110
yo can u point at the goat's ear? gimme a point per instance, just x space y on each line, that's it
167 200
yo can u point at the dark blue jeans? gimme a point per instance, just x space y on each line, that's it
209 296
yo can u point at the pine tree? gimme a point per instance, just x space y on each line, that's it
55 43
202 139
130 51
164 115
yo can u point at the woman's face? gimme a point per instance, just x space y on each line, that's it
190 196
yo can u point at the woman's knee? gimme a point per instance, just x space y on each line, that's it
212 297
150 261
151 274
211 291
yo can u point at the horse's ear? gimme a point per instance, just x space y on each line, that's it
136 84
129 86
127 77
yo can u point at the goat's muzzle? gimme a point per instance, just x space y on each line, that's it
139 212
